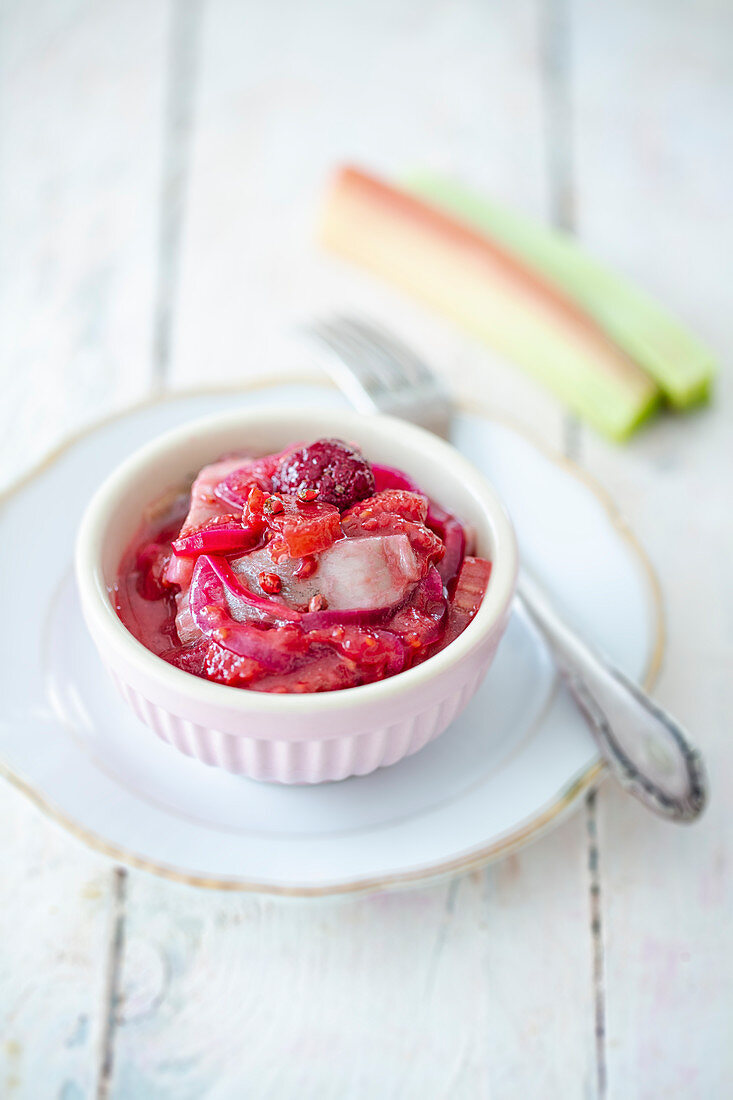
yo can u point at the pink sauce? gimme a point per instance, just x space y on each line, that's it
310 570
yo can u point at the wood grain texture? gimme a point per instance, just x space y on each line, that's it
80 89
162 167
80 117
54 903
433 993
654 100
286 96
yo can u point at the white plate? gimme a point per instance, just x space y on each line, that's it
514 761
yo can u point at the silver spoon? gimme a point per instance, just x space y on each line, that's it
647 751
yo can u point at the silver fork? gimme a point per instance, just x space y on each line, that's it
648 752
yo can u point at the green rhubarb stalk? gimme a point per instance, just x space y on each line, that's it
679 363
486 288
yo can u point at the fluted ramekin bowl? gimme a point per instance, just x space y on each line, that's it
297 738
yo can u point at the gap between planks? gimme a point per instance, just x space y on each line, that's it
183 50
175 156
112 985
556 52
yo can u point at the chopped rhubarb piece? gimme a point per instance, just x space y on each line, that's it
325 670
254 504
471 587
186 628
467 597
305 533
190 658
227 668
303 529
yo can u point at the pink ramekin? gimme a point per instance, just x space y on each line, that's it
293 738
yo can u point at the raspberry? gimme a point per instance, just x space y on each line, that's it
393 502
331 470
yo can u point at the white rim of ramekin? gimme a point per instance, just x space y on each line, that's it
98 607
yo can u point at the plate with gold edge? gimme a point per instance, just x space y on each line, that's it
510 767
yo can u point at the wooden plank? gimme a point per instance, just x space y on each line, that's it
81 95
54 915
283 98
80 89
448 991
653 152
461 989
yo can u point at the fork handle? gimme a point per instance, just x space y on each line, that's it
647 750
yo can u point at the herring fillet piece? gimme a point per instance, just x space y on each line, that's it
358 573
681 365
483 287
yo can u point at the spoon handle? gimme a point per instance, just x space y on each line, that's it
648 752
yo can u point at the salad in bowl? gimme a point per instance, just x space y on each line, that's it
296 596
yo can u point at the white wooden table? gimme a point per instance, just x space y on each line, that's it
162 165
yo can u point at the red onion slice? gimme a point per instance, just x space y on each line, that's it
257 471
233 489
389 477
212 615
217 539
213 581
317 620
271 610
